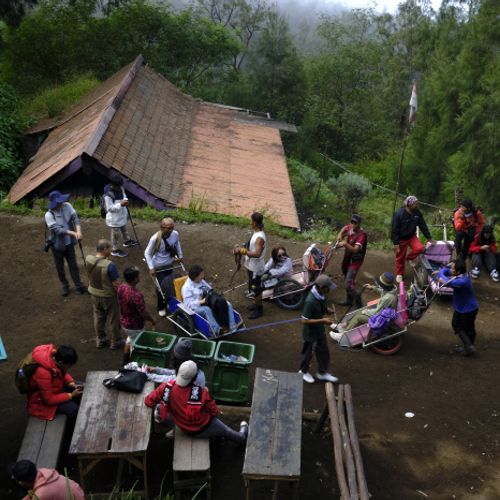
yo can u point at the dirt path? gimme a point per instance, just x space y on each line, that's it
450 449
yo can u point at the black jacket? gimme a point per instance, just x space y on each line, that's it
404 225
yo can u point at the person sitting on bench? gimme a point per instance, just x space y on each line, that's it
195 295
190 407
389 298
278 266
51 388
44 484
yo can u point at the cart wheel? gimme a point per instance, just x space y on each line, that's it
421 276
289 294
182 321
388 347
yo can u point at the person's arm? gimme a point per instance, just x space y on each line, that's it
112 206
148 254
341 234
57 229
43 379
285 268
475 247
423 226
114 275
268 266
396 227
154 397
458 221
306 320
189 298
75 221
209 405
178 248
259 248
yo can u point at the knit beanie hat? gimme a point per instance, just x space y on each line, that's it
410 200
183 349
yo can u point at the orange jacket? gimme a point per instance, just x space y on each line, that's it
462 223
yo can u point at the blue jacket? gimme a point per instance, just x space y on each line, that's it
464 300
59 222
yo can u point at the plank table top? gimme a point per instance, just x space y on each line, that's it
275 431
111 421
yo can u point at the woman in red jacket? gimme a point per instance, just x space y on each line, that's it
484 251
191 407
467 221
51 388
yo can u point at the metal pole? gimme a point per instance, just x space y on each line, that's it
133 228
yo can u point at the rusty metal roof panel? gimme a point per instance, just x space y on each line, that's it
236 168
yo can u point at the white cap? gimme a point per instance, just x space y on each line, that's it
187 372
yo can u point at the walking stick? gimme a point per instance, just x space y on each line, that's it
133 228
83 257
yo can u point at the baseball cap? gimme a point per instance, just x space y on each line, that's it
187 372
324 281
24 470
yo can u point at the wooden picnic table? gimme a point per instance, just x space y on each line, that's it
111 424
275 431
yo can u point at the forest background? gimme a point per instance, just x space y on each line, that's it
343 77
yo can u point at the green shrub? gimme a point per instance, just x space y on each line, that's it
350 189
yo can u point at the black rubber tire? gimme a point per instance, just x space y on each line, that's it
183 320
388 347
290 301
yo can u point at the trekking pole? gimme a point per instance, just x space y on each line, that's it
81 249
133 228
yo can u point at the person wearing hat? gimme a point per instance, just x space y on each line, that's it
404 234
355 249
190 407
467 222
385 285
44 484
484 251
314 319
116 203
65 230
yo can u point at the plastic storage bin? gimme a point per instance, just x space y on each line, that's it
152 348
203 355
230 373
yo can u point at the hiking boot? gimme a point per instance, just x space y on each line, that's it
459 349
469 350
101 344
475 273
82 290
130 243
65 290
307 377
494 275
162 313
244 428
256 313
116 345
335 335
119 253
326 377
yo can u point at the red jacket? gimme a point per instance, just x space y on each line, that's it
191 407
462 223
47 384
478 242
50 485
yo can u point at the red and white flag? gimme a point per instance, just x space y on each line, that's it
413 105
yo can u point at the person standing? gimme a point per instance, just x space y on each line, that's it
404 234
255 262
51 388
484 251
354 245
465 306
65 231
314 319
103 283
133 312
468 222
44 484
116 203
163 250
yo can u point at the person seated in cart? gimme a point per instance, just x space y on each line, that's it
385 285
195 295
279 266
191 408
484 251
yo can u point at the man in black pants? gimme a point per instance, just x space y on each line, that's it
65 231
314 319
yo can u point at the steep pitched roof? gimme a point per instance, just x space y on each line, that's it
170 145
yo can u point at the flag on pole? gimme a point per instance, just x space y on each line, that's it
413 105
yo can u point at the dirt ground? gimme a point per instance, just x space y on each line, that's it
450 449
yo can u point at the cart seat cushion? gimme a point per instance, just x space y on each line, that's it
178 283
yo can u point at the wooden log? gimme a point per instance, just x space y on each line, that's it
337 441
346 446
363 488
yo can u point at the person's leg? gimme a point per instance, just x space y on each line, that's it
306 356
458 323
161 276
476 265
69 408
258 311
459 238
115 235
490 260
416 248
350 286
206 312
99 322
322 355
401 257
124 232
113 319
217 428
73 266
358 319
59 263
468 239
469 324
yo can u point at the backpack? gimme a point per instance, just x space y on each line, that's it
218 304
102 202
380 322
24 372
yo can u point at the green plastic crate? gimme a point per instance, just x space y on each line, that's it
230 378
152 348
203 355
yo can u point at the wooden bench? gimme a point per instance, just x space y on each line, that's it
347 453
191 464
42 441
275 433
